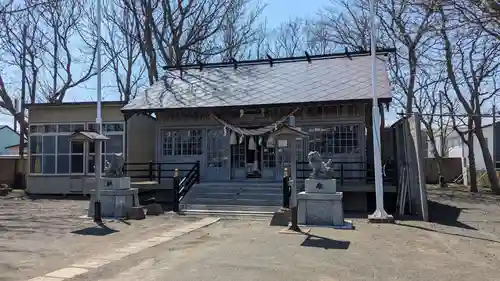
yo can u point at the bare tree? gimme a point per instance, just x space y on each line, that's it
27 62
289 38
484 14
60 51
346 24
68 21
401 24
317 41
463 127
122 49
174 33
7 7
239 32
408 27
472 65
428 100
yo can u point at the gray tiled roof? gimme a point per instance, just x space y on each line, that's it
322 80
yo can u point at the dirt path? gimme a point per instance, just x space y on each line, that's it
38 236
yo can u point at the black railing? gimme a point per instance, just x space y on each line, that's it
184 184
343 172
152 171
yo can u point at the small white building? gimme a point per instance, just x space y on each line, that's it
455 147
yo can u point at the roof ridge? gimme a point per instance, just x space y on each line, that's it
271 61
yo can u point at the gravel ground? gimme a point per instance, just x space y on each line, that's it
245 250
462 243
39 236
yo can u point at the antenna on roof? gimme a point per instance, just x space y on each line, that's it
270 60
200 64
308 57
347 54
235 63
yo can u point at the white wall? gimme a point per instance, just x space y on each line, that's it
488 134
456 148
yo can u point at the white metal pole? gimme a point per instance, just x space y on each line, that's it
380 213
292 145
97 160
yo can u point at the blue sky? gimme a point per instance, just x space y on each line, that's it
276 11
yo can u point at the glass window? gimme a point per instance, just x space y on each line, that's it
114 127
51 152
36 164
63 144
77 147
35 144
346 139
168 143
114 144
76 163
109 147
49 164
92 127
186 142
91 163
49 144
65 128
71 128
50 128
36 129
77 127
63 164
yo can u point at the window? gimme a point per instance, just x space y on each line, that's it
337 139
321 140
238 155
51 151
346 139
115 132
185 142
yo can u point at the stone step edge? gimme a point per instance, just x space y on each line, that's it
225 212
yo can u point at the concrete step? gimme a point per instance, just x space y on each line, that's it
232 201
242 183
228 214
255 196
203 189
235 209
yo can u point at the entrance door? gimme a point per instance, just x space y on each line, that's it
269 167
238 159
217 161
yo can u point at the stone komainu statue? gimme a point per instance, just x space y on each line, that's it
114 169
320 169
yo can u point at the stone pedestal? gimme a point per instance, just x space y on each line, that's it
320 204
320 186
117 198
115 183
